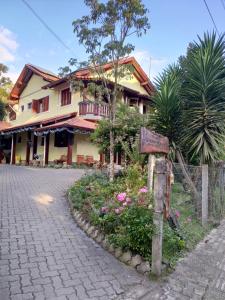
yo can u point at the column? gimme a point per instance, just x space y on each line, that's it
28 148
46 149
35 140
13 150
70 148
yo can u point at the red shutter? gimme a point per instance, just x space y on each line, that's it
65 97
35 106
45 103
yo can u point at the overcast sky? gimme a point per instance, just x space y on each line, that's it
174 23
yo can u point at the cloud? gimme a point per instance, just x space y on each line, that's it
8 45
151 65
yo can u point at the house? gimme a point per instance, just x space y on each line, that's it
49 121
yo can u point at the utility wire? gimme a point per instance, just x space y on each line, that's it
47 27
223 4
211 16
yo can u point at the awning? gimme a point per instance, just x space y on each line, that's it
32 124
73 125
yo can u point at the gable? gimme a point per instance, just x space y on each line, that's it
25 76
34 85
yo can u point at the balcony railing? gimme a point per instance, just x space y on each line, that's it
93 109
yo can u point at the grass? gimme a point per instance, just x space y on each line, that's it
191 228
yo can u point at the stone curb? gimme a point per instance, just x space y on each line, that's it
126 257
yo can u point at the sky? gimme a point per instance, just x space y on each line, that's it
174 23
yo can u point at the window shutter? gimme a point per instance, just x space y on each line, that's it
46 103
35 106
65 97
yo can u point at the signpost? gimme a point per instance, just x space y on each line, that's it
152 143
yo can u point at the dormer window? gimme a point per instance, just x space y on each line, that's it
65 97
29 105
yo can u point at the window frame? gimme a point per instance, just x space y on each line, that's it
61 139
68 98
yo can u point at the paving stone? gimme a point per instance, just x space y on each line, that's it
44 253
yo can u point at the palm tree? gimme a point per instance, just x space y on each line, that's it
203 97
168 117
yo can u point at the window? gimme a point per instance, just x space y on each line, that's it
133 102
29 105
65 97
22 108
42 140
144 109
40 105
61 139
12 115
19 140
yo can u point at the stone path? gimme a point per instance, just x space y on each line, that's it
44 255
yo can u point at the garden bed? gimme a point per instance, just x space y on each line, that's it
122 213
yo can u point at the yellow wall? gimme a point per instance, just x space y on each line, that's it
33 91
21 147
85 147
55 152
82 146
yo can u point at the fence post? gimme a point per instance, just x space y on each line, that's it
205 194
160 174
151 164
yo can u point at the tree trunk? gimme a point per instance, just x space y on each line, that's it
187 176
111 155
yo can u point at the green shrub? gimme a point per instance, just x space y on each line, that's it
127 226
135 230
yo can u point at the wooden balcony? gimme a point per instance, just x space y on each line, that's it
93 110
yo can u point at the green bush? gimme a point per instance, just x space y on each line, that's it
127 224
135 231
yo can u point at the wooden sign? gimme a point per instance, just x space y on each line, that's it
152 142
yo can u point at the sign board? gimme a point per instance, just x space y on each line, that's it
152 142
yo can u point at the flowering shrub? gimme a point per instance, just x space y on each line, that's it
121 210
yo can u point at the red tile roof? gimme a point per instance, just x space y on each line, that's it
72 123
25 76
86 74
4 125
33 123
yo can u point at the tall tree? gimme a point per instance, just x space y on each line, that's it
106 35
5 85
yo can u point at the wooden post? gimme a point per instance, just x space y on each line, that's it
28 148
159 198
13 150
205 184
46 149
151 164
35 142
70 148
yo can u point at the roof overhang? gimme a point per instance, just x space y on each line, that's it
85 74
35 124
25 76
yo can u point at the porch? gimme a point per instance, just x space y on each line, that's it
63 142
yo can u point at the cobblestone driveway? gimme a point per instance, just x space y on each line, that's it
44 255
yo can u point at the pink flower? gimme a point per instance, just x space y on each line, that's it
189 219
117 211
121 197
143 190
128 200
177 213
125 203
104 209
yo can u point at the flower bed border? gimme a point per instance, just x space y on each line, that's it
127 257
